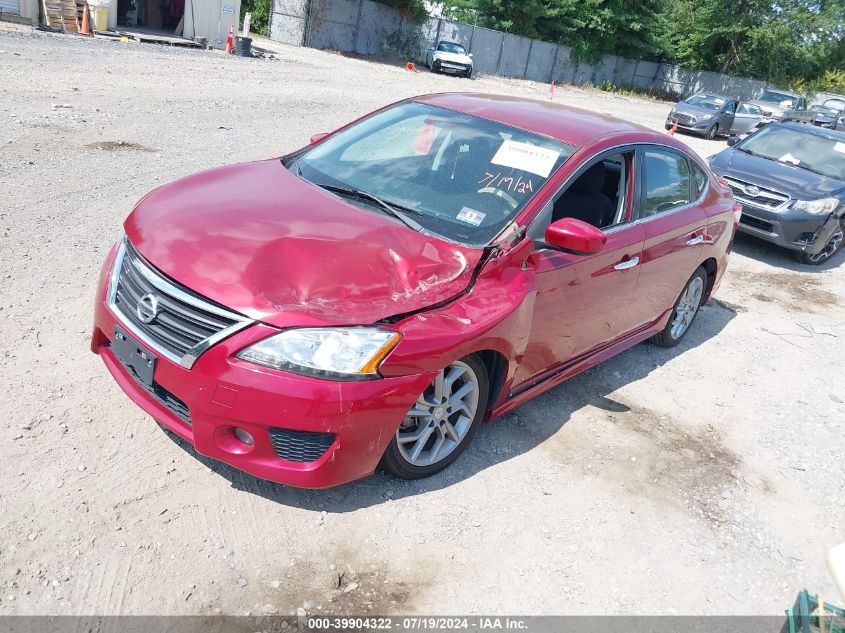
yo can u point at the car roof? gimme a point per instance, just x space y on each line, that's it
813 129
788 93
573 126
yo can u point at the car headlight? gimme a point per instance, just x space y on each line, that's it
705 117
822 206
351 353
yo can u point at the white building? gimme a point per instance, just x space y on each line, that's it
191 19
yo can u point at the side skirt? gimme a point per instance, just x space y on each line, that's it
554 377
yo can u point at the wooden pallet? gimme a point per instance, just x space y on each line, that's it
61 14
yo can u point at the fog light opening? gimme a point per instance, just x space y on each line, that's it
244 436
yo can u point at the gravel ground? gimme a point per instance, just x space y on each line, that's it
703 479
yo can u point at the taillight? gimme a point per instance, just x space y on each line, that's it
737 209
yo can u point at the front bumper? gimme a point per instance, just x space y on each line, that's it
451 68
699 127
221 392
795 230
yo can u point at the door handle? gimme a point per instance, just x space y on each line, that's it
628 263
695 240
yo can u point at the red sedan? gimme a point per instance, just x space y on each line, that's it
373 297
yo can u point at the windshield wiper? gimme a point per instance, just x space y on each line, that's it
397 211
800 166
752 153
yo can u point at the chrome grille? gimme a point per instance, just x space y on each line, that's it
183 324
758 196
300 446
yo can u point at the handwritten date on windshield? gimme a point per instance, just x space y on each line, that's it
507 183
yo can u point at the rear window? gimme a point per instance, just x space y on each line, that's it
699 179
667 181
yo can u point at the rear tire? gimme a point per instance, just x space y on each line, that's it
684 312
442 422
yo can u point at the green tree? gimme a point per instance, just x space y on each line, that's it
260 10
591 27
785 41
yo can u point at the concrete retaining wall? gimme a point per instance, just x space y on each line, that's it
367 27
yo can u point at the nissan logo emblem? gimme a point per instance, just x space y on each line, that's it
147 308
751 190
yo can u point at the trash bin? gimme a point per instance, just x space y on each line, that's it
99 14
243 46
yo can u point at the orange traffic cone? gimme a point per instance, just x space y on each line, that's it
86 21
229 41
674 129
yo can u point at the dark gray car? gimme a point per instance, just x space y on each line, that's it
712 115
790 180
831 114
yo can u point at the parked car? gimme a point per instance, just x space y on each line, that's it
790 180
451 58
779 105
371 298
830 114
712 115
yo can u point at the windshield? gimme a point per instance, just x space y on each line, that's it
776 97
449 47
461 177
806 150
706 101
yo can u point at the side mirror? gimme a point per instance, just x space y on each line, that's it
318 137
733 140
575 236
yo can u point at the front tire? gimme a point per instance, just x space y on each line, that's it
834 244
685 310
442 422
712 132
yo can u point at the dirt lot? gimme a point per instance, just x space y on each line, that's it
705 479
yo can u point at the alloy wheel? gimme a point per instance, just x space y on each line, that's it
441 417
687 307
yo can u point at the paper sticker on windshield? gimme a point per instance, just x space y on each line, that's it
471 216
789 158
839 147
537 160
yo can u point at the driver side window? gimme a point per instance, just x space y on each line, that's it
600 194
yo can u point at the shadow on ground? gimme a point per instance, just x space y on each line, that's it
505 438
778 257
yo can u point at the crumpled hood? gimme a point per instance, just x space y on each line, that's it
793 181
259 240
456 58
